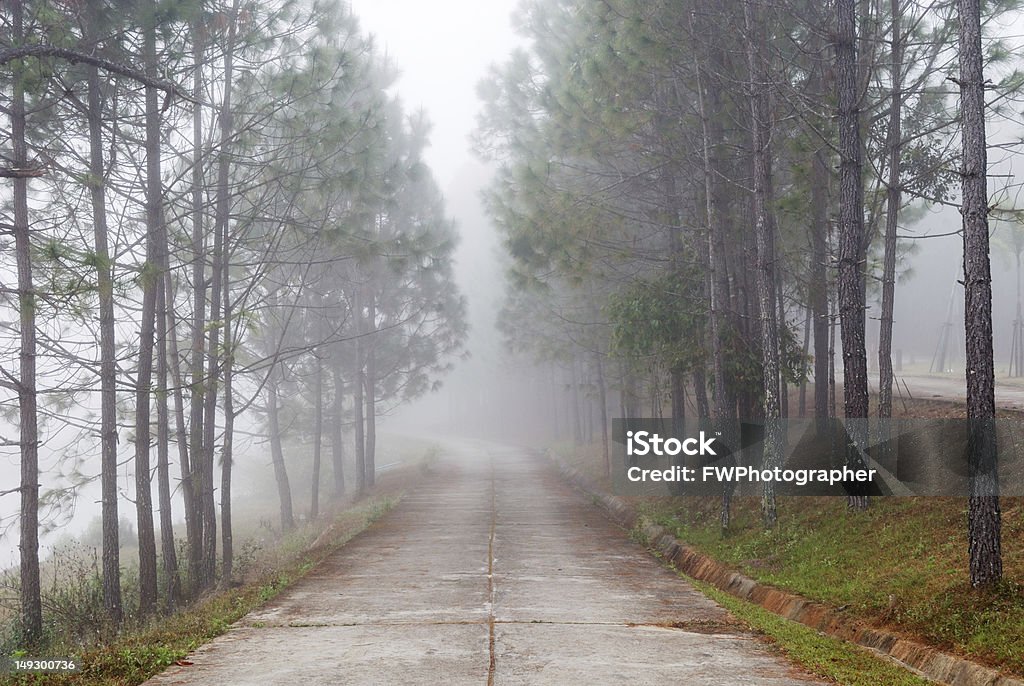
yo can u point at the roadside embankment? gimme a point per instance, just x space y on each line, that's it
892 580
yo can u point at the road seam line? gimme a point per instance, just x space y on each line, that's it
492 665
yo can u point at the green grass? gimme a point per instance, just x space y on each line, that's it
901 564
826 657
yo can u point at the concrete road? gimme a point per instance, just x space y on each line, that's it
946 387
493 571
952 387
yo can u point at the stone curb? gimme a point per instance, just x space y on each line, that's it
927 661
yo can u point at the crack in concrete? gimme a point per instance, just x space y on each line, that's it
696 626
493 663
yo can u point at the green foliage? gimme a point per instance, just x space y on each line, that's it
792 361
663 319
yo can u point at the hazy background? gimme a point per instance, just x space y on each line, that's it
443 49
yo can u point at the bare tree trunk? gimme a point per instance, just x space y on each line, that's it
819 289
832 409
284 490
227 450
337 416
227 462
358 384
780 302
318 435
765 239
220 231
152 280
602 400
31 604
370 380
700 391
588 408
108 354
892 211
851 241
724 401
556 424
806 351
197 384
678 392
168 554
983 517
179 411
577 421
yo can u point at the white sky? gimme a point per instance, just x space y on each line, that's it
443 49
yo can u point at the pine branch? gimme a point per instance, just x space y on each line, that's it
73 56
20 173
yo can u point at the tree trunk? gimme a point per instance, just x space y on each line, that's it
983 518
227 450
602 401
152 281
577 421
765 239
358 384
677 381
780 302
724 401
370 380
892 211
851 242
700 392
168 554
832 409
196 473
111 552
31 605
179 412
318 435
806 351
588 408
167 550
819 288
220 231
337 417
284 490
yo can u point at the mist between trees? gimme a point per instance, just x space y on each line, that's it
695 196
212 214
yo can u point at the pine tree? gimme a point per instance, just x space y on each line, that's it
983 517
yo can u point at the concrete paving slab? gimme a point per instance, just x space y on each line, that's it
494 571
328 656
558 654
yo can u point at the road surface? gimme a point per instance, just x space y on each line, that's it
492 571
952 387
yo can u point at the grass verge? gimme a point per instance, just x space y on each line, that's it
901 565
824 656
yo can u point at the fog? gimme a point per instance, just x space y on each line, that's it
442 77
442 51
439 76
